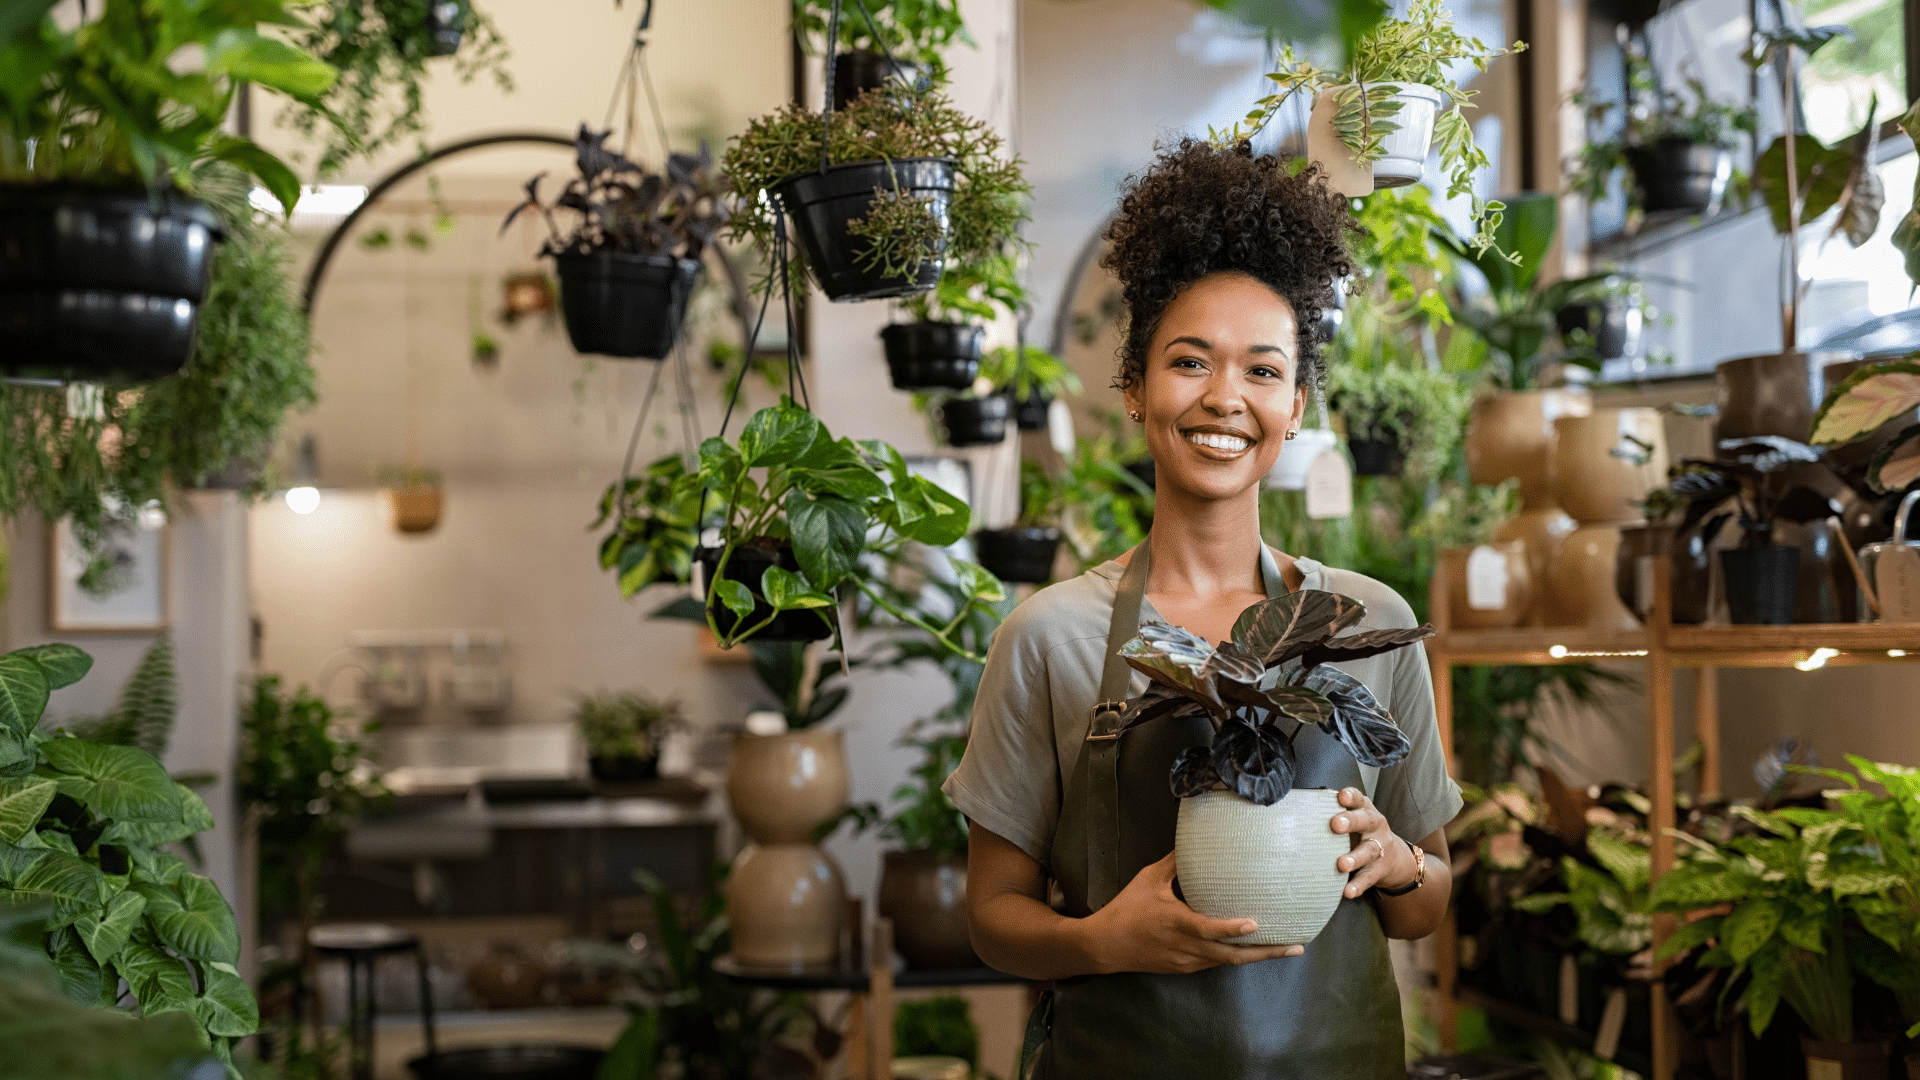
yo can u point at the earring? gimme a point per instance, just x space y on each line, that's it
1134 415
1292 434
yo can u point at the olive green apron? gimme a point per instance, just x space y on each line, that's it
1330 1014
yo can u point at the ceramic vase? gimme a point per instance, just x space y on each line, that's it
1489 586
1540 532
926 897
1606 461
1273 864
1582 580
786 899
1511 435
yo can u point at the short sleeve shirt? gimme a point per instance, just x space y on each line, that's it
1042 680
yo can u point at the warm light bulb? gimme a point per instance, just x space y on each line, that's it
303 500
1557 651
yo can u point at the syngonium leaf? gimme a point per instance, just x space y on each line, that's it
127 783
1254 761
105 932
63 664
225 1005
80 975
1359 721
1193 772
192 918
158 980
1284 627
23 692
1866 400
23 799
68 880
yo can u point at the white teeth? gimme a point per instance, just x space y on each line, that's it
1229 443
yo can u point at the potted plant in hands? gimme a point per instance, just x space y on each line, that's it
939 349
882 193
1374 120
105 253
628 265
1244 830
897 41
1680 151
1032 379
622 730
1025 550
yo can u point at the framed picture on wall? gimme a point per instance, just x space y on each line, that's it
122 589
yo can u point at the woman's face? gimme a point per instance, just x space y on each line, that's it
1217 397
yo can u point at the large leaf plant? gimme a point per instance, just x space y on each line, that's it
83 830
1263 687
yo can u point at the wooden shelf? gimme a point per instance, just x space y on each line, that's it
1537 645
1790 646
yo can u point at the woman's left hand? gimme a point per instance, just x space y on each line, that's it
1378 856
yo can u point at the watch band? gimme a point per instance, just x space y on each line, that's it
1419 873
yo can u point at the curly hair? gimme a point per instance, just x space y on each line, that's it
1200 209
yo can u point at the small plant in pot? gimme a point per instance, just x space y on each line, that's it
1395 411
938 348
623 730
882 193
1680 151
1374 121
629 264
656 526
882 41
1033 378
923 882
1244 829
1025 550
1759 575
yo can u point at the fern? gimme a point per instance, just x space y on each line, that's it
147 709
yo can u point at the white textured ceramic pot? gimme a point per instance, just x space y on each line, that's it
1403 152
1272 864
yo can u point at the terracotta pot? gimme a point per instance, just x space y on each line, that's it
1845 1060
416 507
1542 531
781 787
926 897
1913 1066
1511 435
1488 586
1606 461
1582 581
785 903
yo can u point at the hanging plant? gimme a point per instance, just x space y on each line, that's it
381 48
656 528
1679 150
629 263
1032 378
1025 551
905 183
939 348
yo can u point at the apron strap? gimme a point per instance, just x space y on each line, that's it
1103 738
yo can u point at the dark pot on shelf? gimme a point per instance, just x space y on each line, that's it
1679 174
976 421
625 305
822 203
1030 412
1377 457
444 25
524 1061
926 897
625 770
1691 576
932 355
1024 555
1856 1060
747 565
98 285
1612 324
1760 584
855 73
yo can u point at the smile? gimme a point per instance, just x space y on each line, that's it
1228 444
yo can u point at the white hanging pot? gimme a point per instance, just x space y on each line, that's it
1403 151
1289 472
1272 864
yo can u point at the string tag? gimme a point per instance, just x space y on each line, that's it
1329 486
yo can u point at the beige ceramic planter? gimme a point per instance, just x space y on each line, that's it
1606 461
781 786
785 903
1272 864
1541 532
1510 436
926 898
1583 580
1489 586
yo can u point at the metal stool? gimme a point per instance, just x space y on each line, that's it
360 944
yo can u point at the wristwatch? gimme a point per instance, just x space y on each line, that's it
1419 873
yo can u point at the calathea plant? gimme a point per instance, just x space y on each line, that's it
1264 686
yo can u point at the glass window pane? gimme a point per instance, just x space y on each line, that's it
1843 77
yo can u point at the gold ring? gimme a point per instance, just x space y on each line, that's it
1377 847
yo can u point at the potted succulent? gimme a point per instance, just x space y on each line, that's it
655 526
629 264
1375 119
881 193
622 730
105 251
883 41
938 348
1680 151
1244 830
1032 378
1025 550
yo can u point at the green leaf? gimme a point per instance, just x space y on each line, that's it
105 932
1750 926
1686 888
828 536
636 1051
1821 172
929 513
888 457
160 982
1767 972
720 464
737 597
128 784
1630 864
226 1006
1803 932
191 917
80 975
63 664
778 435
1539 903
23 692
17 757
786 590
23 800
1688 936
977 582
15 860
21 19
249 55
271 171
65 878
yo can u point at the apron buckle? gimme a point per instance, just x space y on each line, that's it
1105 726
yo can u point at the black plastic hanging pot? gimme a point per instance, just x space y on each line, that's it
442 26
1023 555
932 355
1760 584
1612 324
747 565
1679 174
1030 412
1377 457
617 304
822 204
976 421
855 73
101 286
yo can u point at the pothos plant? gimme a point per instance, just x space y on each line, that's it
656 526
1028 371
82 829
1653 115
1417 48
978 289
1263 687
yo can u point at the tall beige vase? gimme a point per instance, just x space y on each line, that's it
1604 463
1510 436
785 898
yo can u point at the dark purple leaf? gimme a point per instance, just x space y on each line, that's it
593 158
1193 772
1234 663
1254 761
1282 628
1359 721
1364 644
1766 453
532 203
1298 703
1171 655
1159 700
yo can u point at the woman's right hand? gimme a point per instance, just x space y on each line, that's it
1147 928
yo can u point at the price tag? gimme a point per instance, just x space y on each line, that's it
1569 989
1612 1019
1896 578
1329 486
1486 579
1060 428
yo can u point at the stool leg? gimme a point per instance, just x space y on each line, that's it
359 1037
372 1011
426 1001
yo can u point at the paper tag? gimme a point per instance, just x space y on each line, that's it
1569 989
1612 1019
1822 1069
1896 578
1060 428
1329 486
1643 584
1486 579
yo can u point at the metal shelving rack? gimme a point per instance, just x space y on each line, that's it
1666 648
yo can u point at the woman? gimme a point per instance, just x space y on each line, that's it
1226 262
